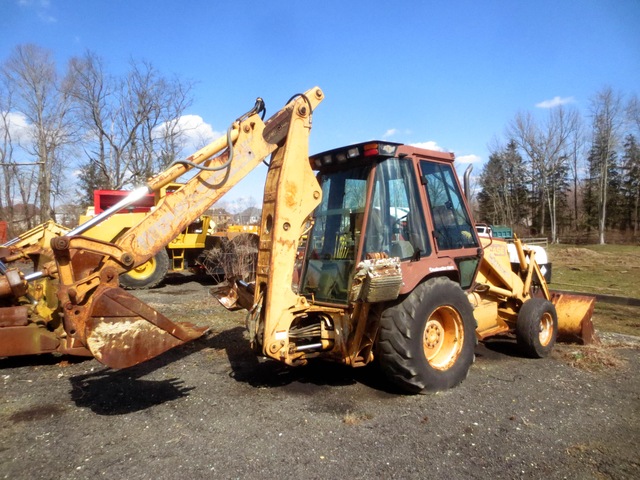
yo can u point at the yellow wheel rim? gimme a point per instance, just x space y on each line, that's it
443 337
144 271
546 329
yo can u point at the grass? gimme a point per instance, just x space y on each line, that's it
601 269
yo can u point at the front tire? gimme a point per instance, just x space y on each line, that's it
147 275
537 327
427 341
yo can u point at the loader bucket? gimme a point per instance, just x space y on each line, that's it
574 317
123 331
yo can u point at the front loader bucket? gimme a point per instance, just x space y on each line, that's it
123 331
574 317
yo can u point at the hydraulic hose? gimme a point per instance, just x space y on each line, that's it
259 107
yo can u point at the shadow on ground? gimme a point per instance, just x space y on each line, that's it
248 368
117 392
500 345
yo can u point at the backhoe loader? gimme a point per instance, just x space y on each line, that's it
392 269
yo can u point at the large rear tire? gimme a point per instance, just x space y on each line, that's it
537 327
427 341
147 275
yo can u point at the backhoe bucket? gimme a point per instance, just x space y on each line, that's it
574 317
123 331
234 295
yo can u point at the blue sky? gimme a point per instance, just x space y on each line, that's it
453 73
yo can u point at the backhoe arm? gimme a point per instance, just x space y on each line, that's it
118 329
291 194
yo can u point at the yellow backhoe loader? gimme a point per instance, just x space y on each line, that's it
392 270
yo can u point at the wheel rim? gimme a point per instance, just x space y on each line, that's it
546 329
144 271
443 337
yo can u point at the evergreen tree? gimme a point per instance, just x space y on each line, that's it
502 199
631 182
91 178
602 186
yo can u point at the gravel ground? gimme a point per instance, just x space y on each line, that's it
210 409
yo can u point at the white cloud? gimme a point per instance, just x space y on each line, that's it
430 145
468 159
19 127
41 7
196 133
389 133
555 102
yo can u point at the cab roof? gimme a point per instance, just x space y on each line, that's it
374 148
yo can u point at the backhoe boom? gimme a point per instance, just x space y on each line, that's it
116 327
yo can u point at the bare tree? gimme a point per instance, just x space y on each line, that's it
31 73
607 122
6 159
133 121
576 152
91 90
547 145
633 113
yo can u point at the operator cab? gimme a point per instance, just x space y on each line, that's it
374 199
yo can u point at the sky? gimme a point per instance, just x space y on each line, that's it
449 74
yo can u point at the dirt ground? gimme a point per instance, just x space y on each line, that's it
211 409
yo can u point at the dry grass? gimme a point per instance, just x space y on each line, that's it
351 418
606 269
592 358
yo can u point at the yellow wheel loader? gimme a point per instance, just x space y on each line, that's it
392 270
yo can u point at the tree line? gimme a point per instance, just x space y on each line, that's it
567 175
64 135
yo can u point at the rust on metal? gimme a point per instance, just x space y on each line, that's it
234 296
33 244
123 331
92 314
12 283
27 340
14 316
376 280
283 223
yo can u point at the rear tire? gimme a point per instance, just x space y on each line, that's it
147 275
426 342
537 327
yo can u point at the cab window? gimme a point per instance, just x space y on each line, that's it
452 226
396 225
